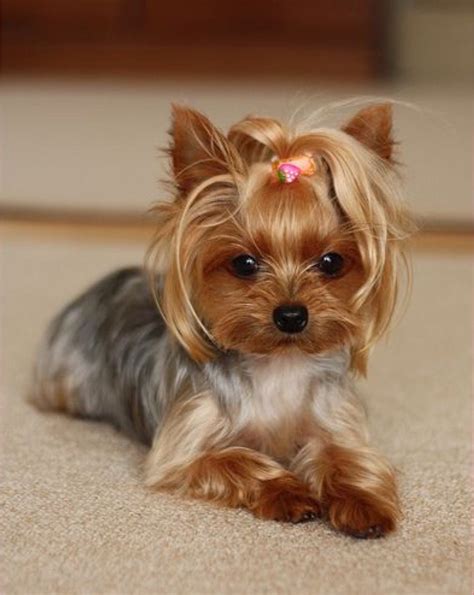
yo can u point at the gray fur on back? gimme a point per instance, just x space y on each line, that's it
112 349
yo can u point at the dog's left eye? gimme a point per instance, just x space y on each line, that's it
244 265
331 264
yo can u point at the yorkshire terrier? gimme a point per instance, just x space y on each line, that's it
233 353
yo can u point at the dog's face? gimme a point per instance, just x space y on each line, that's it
280 273
268 267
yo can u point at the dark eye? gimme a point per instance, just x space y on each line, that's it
331 264
244 265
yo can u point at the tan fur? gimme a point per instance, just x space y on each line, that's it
241 477
234 204
192 457
229 202
57 395
354 483
247 415
194 426
358 489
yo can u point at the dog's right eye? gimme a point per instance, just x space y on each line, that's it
244 265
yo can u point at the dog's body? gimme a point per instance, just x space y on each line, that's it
107 355
244 401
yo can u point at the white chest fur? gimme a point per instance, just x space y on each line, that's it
276 409
280 387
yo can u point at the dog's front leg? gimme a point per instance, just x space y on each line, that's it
196 454
354 483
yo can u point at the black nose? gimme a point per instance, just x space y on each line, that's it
291 318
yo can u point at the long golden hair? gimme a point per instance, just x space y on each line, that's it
211 171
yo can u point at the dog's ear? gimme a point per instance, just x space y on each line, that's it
372 126
198 149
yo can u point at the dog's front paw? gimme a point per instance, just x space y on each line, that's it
363 518
286 499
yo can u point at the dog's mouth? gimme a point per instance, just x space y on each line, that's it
299 342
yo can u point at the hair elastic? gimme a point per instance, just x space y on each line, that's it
288 170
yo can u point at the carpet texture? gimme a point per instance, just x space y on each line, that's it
75 517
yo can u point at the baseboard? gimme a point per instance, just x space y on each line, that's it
433 235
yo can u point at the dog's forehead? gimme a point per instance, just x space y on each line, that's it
281 216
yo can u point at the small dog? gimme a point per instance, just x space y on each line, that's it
274 269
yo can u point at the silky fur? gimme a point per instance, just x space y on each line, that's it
235 411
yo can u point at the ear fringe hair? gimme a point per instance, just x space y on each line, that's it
173 250
368 193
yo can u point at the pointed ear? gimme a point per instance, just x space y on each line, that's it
198 149
372 127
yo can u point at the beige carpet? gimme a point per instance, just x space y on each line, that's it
75 517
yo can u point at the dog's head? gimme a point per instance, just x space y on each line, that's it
260 264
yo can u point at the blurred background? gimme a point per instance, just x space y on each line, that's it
87 86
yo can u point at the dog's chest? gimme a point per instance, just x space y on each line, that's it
274 410
279 386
